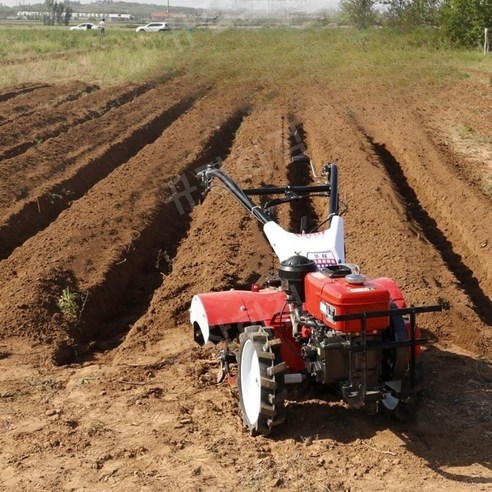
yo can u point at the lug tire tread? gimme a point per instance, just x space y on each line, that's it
267 348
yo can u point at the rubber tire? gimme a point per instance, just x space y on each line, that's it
261 393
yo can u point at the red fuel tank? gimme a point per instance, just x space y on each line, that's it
327 297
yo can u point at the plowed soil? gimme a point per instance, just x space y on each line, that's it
98 197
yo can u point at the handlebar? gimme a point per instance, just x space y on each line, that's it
330 171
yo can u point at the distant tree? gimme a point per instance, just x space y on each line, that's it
59 9
464 21
361 13
7 11
409 14
57 13
49 17
67 15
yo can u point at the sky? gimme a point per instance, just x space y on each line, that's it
258 4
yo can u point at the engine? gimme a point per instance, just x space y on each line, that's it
335 351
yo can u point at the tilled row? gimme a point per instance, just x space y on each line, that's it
20 112
44 181
385 232
381 235
224 247
115 245
449 249
10 93
454 217
105 247
60 116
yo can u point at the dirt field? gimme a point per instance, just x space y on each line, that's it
96 195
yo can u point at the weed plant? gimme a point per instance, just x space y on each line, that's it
71 303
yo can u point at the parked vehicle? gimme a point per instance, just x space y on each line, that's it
154 27
86 26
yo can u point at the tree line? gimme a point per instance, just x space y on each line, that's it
57 13
461 21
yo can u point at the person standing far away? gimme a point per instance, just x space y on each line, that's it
102 26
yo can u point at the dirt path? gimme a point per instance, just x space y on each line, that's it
99 195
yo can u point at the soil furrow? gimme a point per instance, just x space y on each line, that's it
100 259
21 135
43 100
379 235
7 94
303 216
430 230
38 211
129 284
25 172
29 176
462 215
224 247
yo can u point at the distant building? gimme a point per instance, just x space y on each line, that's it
78 16
163 16
120 17
30 15
109 17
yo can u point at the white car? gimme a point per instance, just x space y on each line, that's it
154 27
87 26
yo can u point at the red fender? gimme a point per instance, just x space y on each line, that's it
214 313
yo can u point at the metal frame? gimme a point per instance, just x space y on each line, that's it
365 346
290 193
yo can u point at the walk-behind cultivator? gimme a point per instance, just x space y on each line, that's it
319 320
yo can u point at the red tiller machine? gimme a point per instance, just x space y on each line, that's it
317 321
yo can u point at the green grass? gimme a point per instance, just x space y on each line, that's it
298 58
270 57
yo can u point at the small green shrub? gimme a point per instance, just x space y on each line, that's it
71 303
